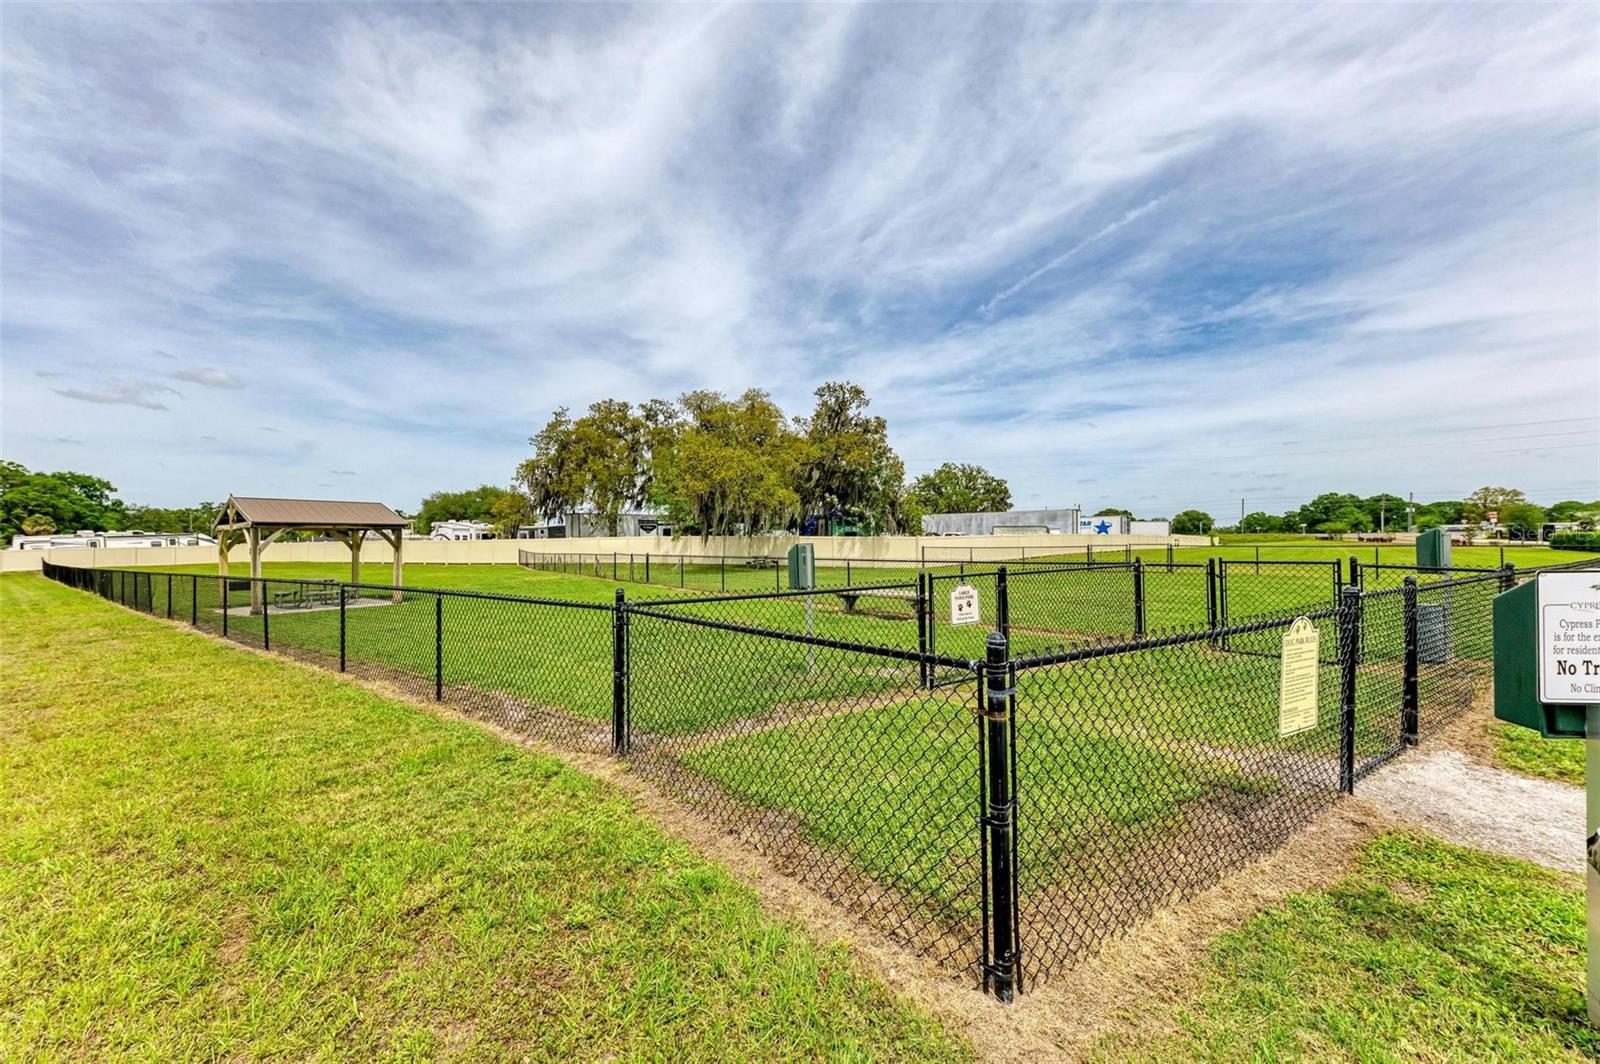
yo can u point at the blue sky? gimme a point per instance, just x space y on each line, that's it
1143 256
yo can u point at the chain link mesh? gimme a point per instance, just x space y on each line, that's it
841 731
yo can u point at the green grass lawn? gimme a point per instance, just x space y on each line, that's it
209 854
1524 750
1426 952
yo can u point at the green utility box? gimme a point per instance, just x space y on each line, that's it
1433 549
802 567
1516 668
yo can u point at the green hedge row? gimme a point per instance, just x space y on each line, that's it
1576 541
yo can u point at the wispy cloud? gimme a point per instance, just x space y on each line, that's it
145 394
342 472
207 377
1154 242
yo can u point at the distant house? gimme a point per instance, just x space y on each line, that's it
460 530
586 524
1002 522
111 540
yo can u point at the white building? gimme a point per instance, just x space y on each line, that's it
586 524
111 540
460 530
1012 521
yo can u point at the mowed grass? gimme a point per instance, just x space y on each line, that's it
1524 750
209 854
1427 952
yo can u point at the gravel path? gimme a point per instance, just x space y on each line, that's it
1468 802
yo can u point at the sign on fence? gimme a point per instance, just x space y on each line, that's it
964 605
1569 637
1297 678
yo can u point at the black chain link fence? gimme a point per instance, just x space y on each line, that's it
1003 796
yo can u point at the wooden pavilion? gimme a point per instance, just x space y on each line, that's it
261 521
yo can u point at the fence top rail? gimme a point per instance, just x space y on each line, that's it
1318 562
637 610
853 589
1430 568
1112 646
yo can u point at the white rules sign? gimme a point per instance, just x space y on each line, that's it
1569 637
1297 678
964 605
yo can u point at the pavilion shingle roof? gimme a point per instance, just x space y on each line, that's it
313 513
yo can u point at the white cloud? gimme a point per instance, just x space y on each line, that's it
1154 241
207 377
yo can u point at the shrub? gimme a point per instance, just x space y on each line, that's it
1576 541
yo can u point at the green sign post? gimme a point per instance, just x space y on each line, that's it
1547 677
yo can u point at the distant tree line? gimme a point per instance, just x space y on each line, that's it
1335 513
711 464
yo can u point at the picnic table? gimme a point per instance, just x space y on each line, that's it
850 596
304 596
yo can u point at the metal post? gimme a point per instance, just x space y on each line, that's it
1355 571
1508 575
1502 557
680 571
169 596
1002 603
1211 594
613 565
933 615
343 595
194 601
1258 561
1138 596
1349 638
438 648
1408 695
999 975
924 673
647 567
224 607
1169 557
619 676
847 572
266 625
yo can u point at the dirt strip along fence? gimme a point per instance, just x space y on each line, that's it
1003 797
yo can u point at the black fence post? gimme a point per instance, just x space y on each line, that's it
932 616
1211 595
847 572
225 581
169 596
438 648
1002 602
1508 574
647 567
1138 596
1169 557
1349 639
680 571
619 676
924 671
1355 571
1000 960
194 601
266 624
1408 694
344 594
1258 561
